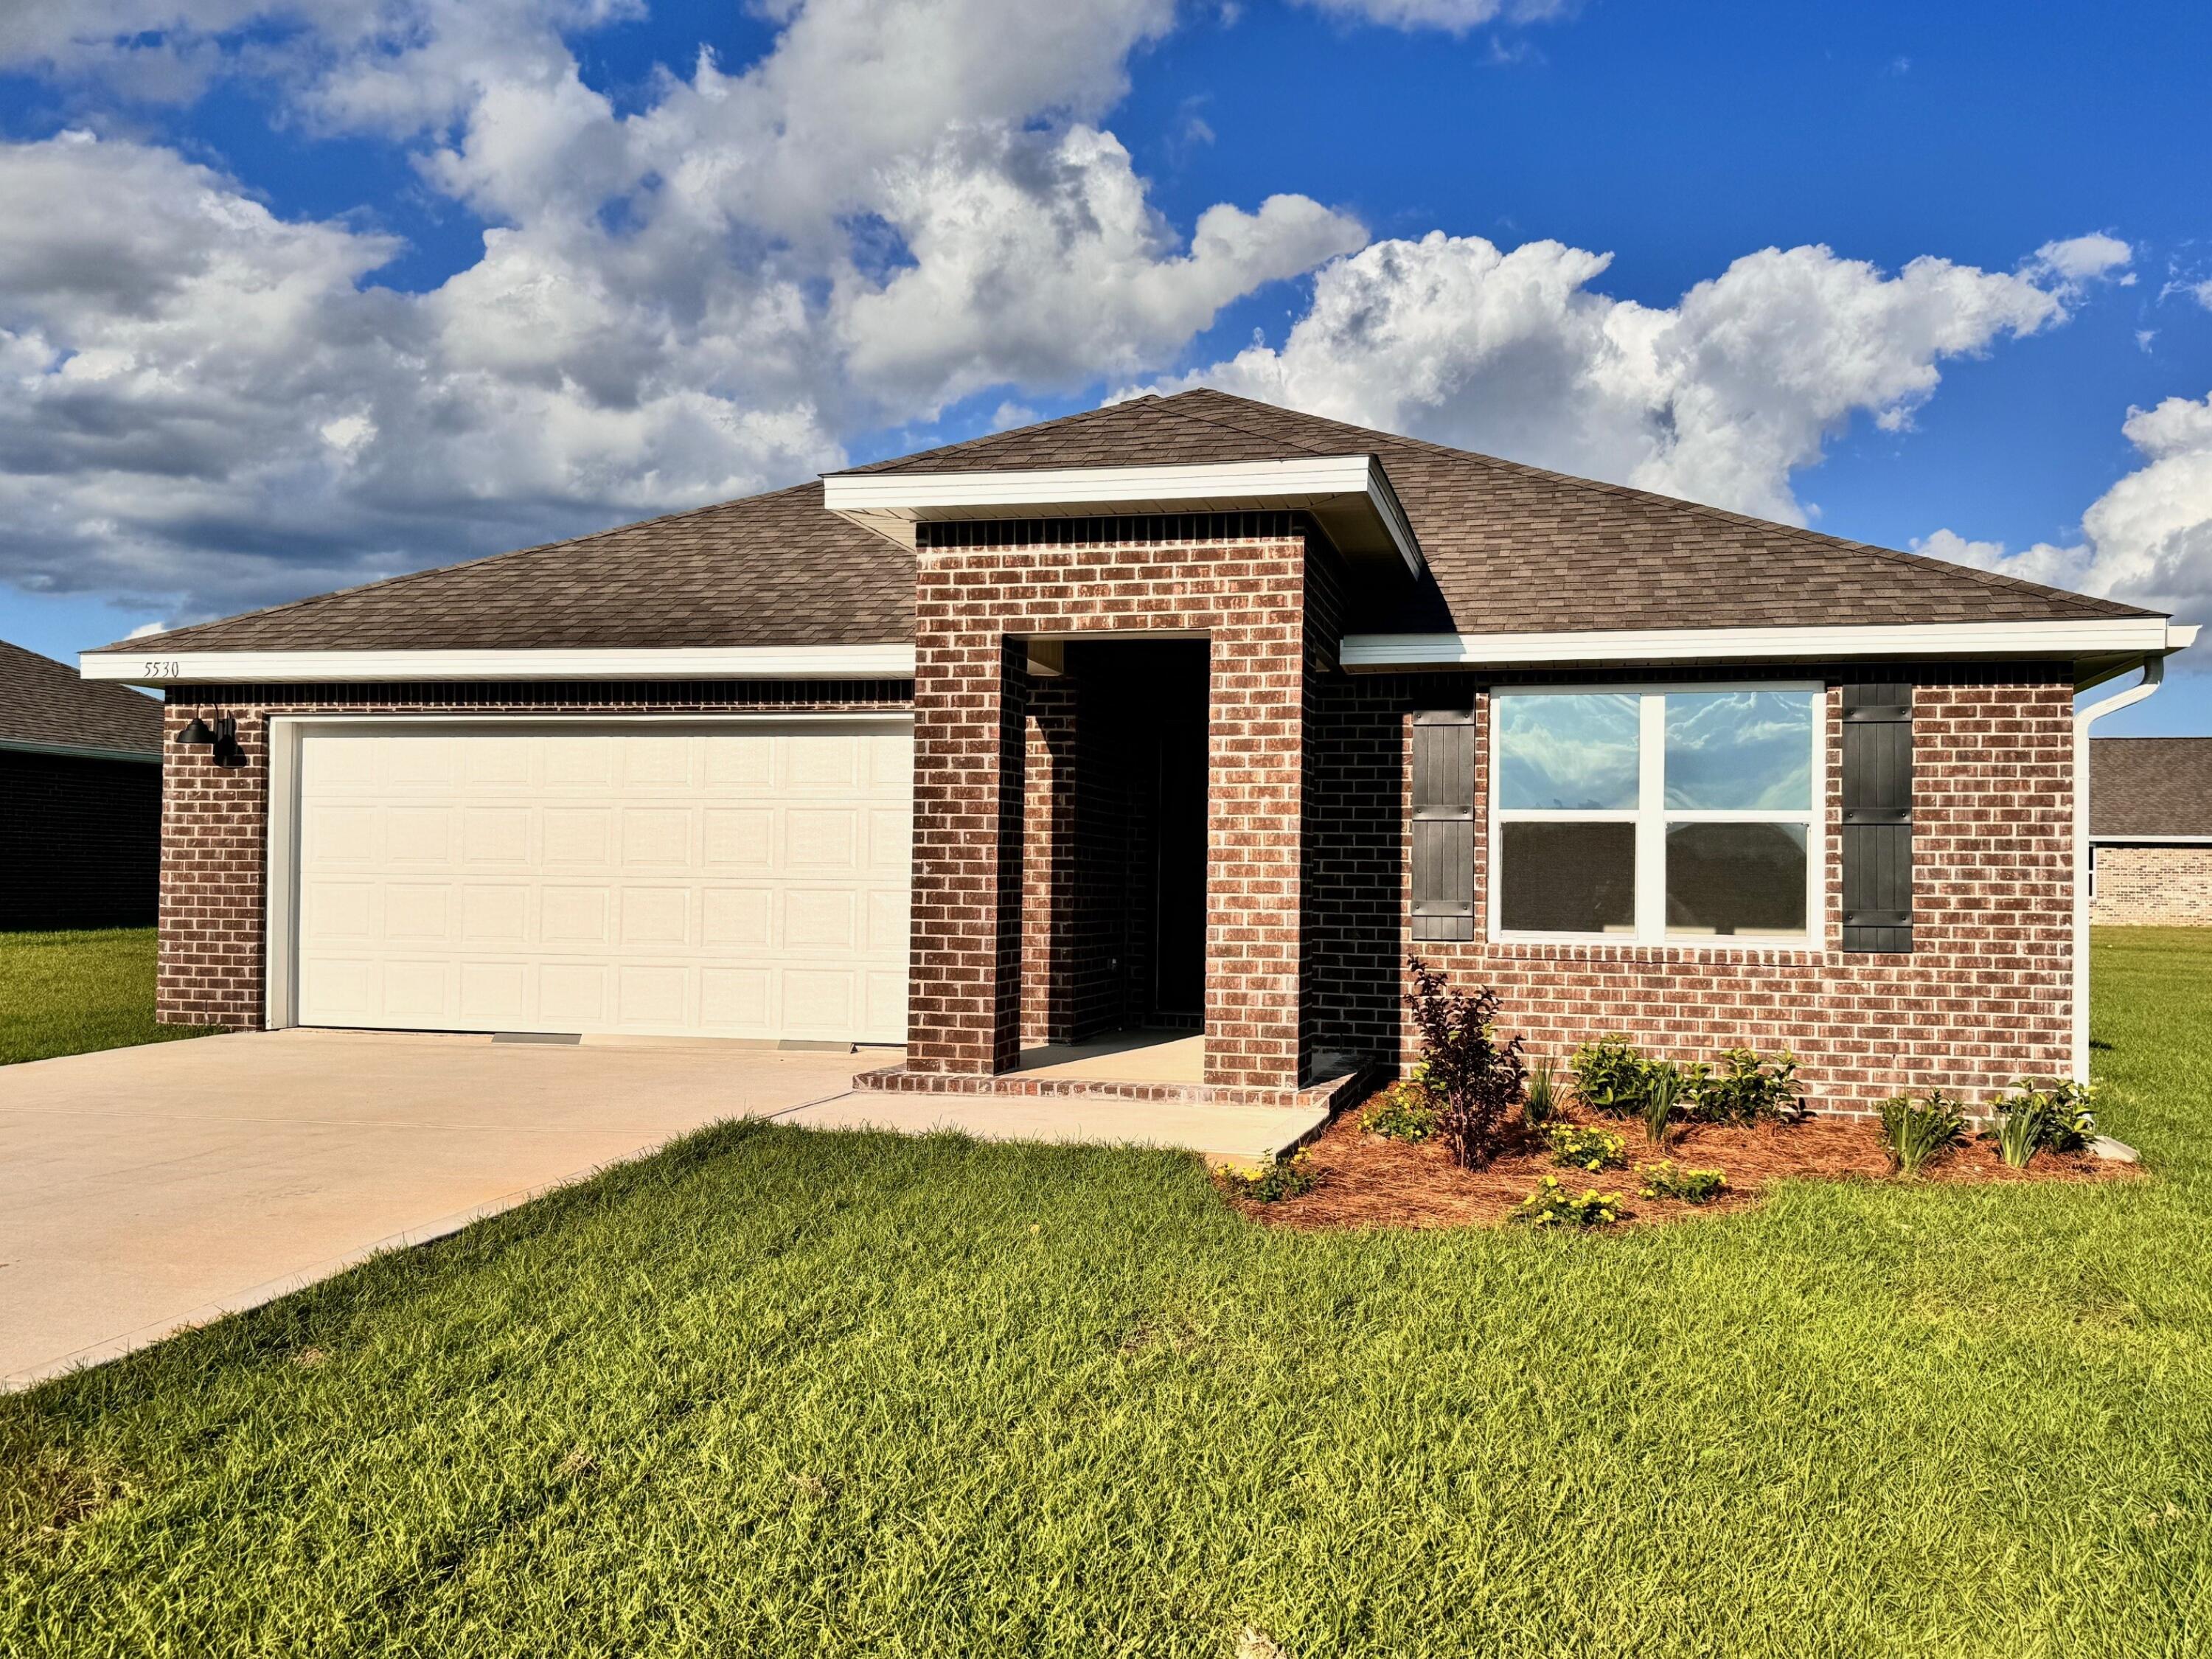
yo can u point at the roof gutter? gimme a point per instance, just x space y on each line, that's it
2132 637
2153 672
768 662
80 751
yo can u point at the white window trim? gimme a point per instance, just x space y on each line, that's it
1651 818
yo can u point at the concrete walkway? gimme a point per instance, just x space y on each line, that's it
145 1190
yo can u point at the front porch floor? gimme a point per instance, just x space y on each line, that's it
1150 1054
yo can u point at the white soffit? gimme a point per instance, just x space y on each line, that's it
153 667
2134 636
1349 496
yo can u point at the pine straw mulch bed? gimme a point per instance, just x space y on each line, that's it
1369 1182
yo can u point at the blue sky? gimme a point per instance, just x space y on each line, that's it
1678 140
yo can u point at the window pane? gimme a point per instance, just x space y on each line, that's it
1735 878
1567 878
1572 751
1740 751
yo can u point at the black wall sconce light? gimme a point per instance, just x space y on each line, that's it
222 737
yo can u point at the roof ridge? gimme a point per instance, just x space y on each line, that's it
1705 509
489 559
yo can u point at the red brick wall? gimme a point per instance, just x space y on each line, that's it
1984 997
215 819
1247 594
2142 885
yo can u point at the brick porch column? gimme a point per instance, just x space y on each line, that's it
1049 875
963 1008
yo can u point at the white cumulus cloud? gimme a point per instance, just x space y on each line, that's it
2147 540
1720 396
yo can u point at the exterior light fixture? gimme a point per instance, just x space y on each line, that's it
222 737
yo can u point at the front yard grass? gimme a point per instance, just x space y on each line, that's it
69 994
775 1392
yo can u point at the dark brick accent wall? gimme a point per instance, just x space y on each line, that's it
1985 998
215 819
79 841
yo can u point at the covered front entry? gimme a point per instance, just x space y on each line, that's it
739 878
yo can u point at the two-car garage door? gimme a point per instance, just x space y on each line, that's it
743 880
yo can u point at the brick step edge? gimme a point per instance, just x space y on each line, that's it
1326 1095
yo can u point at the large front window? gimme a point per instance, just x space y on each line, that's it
1680 814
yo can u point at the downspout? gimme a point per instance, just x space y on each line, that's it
2153 670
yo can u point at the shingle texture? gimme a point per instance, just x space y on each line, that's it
43 701
2150 786
774 569
1510 548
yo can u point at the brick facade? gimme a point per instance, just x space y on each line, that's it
2142 884
975 604
1022 931
214 818
79 841
1984 997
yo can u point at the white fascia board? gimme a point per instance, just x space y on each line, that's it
155 666
880 500
2141 635
2110 840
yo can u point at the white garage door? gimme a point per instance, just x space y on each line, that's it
744 881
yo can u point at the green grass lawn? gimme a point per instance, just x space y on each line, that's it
69 994
775 1392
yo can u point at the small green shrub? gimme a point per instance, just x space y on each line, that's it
1665 1085
1746 1089
1915 1131
1610 1077
1551 1205
2053 1112
1286 1177
1582 1146
1404 1111
1539 1103
1663 1180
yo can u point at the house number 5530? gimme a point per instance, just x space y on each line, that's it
160 669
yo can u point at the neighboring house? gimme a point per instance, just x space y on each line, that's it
1184 710
2150 831
80 798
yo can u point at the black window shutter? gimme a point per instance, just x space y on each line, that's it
1443 824
1878 815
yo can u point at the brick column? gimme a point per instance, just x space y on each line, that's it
1049 865
963 1004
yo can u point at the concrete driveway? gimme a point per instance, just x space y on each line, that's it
146 1189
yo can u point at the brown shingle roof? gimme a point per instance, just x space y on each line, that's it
1510 547
2150 786
774 569
43 701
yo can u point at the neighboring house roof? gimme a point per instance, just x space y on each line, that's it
1509 548
2147 788
45 706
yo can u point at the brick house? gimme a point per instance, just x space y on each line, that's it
1186 714
80 798
2150 832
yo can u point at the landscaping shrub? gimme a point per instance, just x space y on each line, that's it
1610 1077
1286 1177
1551 1205
2053 1112
1474 1079
1746 1089
1404 1111
1584 1147
1541 1105
1915 1131
1664 1090
1663 1180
